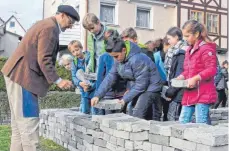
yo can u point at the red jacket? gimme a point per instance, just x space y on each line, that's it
201 60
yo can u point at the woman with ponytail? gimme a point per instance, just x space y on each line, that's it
199 70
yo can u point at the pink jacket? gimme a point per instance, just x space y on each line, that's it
200 60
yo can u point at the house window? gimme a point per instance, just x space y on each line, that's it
197 15
143 18
212 22
107 13
12 24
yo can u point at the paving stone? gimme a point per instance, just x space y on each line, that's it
182 144
121 134
129 144
212 136
100 142
139 136
158 139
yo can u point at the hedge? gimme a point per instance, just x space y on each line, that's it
53 99
61 71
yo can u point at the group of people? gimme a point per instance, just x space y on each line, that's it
135 73
126 70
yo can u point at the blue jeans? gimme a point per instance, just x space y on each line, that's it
201 113
84 105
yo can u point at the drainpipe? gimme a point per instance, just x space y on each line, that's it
85 31
43 14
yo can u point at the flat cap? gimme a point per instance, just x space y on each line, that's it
70 11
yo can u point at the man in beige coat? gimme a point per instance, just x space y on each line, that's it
30 71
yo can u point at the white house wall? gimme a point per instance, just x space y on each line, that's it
17 29
9 43
50 9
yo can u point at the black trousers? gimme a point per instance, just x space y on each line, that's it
142 105
222 98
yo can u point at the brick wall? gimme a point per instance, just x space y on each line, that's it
120 132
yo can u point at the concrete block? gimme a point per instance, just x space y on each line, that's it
138 145
156 147
212 136
147 146
113 140
141 125
121 142
162 128
87 145
139 136
178 130
158 139
106 137
89 139
201 147
98 148
121 134
129 144
182 144
80 147
100 142
111 147
107 130
109 105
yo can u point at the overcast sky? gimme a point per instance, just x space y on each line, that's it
29 11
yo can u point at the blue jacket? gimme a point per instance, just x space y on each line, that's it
105 64
75 66
138 70
160 65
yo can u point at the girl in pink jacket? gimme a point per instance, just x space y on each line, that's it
199 69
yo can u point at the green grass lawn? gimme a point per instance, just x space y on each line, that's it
4 138
46 145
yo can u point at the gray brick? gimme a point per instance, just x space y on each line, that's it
89 139
106 137
212 136
120 142
182 144
72 148
121 134
178 130
97 134
77 139
87 146
107 130
109 104
147 146
78 134
139 136
129 144
113 140
156 147
162 128
141 125
97 148
201 147
158 139
138 145
111 147
80 147
100 142
166 148
72 144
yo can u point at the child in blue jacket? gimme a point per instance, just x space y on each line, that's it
80 61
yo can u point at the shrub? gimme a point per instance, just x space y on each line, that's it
60 100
